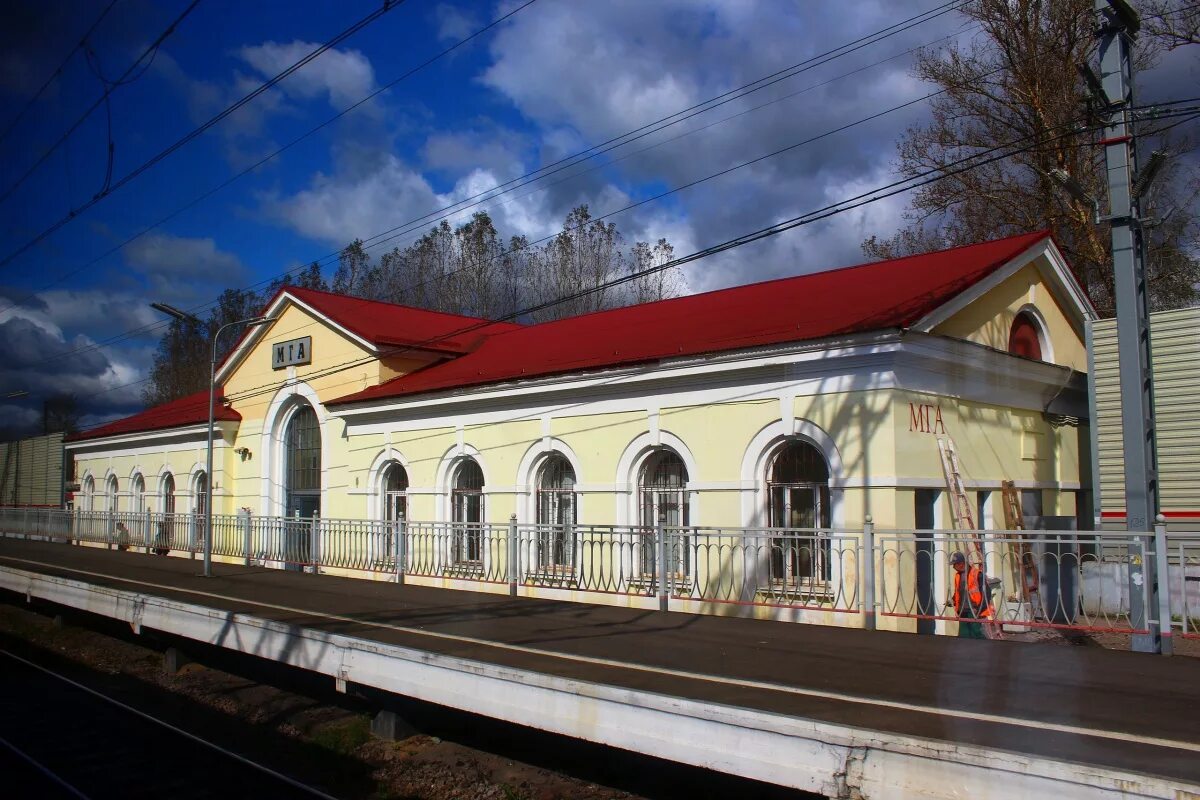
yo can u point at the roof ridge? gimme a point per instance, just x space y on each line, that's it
398 305
1032 235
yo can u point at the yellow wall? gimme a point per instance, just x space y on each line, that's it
989 319
871 430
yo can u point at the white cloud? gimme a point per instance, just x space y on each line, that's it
454 23
178 257
582 76
342 76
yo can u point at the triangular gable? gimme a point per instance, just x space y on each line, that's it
273 312
378 328
1049 261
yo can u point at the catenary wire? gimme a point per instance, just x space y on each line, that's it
974 161
194 133
151 48
563 163
196 201
983 158
618 211
747 163
848 204
57 72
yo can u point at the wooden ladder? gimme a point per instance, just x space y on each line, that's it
960 511
1014 520
960 502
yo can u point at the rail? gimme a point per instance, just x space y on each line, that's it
1071 580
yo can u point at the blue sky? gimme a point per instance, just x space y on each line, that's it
558 76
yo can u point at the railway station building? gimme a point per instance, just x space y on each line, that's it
816 401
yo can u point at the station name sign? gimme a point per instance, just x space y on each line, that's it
291 353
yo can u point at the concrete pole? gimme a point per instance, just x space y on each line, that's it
208 469
1133 320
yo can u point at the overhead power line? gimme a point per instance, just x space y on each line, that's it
83 40
962 165
547 170
974 161
108 90
195 132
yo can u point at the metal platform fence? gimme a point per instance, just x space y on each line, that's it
1035 579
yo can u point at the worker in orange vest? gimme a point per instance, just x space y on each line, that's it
970 597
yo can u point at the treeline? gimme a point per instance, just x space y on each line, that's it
467 270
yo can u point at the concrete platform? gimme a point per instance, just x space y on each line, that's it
847 713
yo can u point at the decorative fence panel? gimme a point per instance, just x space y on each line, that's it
1078 581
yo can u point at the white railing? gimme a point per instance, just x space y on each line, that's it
1071 580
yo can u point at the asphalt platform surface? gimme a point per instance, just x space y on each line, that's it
1086 689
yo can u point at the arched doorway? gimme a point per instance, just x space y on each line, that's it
301 485
798 497
302 464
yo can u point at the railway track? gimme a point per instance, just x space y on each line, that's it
61 739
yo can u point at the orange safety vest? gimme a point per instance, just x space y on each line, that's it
974 592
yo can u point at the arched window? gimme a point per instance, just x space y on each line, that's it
110 493
663 500
467 500
1025 337
137 494
394 488
167 491
661 490
556 506
165 530
556 492
200 493
89 493
303 464
798 487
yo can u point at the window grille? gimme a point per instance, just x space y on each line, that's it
110 492
201 493
395 492
664 501
798 493
304 452
556 505
467 499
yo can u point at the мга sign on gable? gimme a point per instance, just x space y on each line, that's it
292 353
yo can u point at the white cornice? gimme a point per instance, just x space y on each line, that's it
166 435
677 370
916 362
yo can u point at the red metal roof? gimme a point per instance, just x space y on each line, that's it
389 324
189 410
875 296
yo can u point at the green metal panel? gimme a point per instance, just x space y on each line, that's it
31 471
1175 341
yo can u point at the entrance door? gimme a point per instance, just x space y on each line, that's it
297 530
926 503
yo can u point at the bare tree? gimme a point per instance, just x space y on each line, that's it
1175 23
658 285
1018 82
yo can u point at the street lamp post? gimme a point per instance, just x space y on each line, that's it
212 401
